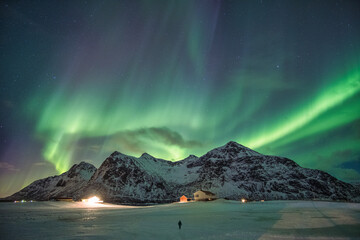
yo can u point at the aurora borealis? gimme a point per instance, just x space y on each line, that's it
81 79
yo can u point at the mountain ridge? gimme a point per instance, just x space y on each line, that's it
65 185
231 171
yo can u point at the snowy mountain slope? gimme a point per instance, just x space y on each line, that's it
131 179
66 185
231 171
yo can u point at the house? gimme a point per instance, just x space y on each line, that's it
183 198
202 195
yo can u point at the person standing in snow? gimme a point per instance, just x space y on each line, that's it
179 223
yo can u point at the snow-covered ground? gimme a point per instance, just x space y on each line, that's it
219 219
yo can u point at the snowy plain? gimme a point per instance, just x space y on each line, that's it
218 219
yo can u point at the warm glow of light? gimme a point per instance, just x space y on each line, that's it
243 200
93 199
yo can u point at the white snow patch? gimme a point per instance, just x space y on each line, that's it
201 220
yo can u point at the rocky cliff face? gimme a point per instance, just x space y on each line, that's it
231 171
66 185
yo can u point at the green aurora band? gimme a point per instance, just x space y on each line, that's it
328 98
65 120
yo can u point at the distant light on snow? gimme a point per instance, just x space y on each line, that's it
22 201
93 199
243 200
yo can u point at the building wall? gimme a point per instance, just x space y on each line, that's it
183 199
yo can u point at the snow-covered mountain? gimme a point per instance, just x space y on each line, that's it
231 171
66 185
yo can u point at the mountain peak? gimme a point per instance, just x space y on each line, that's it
237 146
233 144
82 170
233 150
83 164
146 156
117 154
80 166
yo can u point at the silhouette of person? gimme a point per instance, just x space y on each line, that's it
179 223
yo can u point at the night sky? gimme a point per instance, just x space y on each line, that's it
81 79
